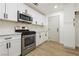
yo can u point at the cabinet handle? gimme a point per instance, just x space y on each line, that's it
7 45
4 15
36 22
45 34
40 36
8 38
57 29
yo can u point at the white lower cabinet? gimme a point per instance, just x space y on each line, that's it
11 46
38 39
46 35
3 49
41 37
15 46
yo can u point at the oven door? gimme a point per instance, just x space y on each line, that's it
27 40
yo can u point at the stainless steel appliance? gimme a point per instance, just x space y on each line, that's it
28 42
22 17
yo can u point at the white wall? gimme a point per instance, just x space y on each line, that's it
6 27
67 30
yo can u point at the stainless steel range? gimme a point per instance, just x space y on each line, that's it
28 42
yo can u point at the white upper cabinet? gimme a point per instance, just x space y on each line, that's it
39 20
11 11
21 7
44 20
2 10
8 11
77 7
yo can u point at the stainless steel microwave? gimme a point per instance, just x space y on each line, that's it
21 17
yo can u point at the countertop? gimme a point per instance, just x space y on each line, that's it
40 31
8 34
18 33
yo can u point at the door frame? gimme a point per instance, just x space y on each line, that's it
75 24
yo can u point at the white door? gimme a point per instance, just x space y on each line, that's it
15 46
3 49
11 10
2 10
53 28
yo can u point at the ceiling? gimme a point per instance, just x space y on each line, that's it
48 8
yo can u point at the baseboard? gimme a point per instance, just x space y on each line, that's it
56 42
69 47
77 46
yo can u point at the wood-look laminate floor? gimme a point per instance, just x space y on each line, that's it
50 48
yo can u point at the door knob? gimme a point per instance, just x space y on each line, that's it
57 29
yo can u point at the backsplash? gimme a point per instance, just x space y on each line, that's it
9 27
6 27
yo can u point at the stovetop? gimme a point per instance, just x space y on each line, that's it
25 32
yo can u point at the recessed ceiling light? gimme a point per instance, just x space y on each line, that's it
36 4
55 6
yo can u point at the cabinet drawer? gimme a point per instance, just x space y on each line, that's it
5 38
2 39
16 36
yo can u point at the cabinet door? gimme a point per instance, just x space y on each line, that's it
11 11
77 7
45 34
37 39
39 19
43 37
43 20
2 10
3 49
34 18
21 7
15 47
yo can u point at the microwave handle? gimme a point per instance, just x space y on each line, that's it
18 15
